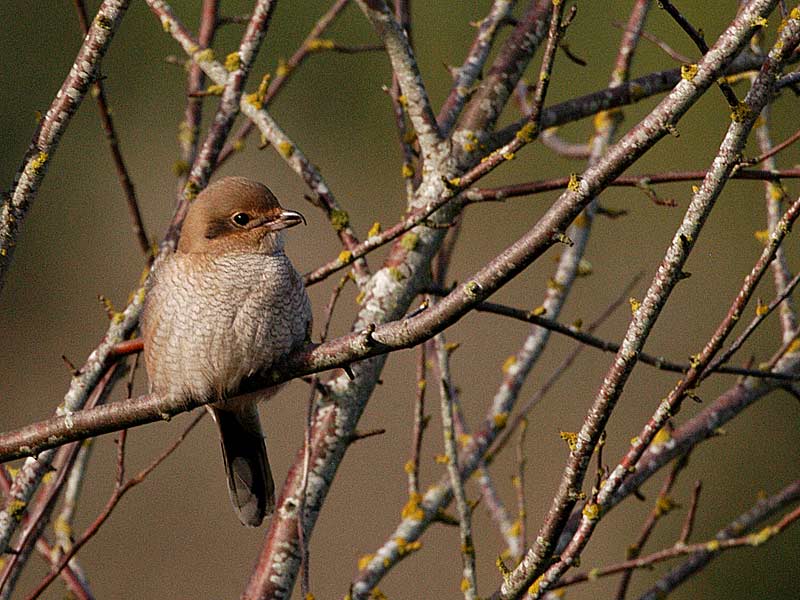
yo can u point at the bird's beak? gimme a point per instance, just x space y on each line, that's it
287 218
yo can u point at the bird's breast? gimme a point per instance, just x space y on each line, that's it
211 322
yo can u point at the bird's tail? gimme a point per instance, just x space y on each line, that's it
250 482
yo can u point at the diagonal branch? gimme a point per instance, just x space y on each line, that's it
85 70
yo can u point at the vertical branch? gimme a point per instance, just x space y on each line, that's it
420 422
775 194
189 129
469 582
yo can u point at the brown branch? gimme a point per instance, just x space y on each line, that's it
121 488
714 546
99 92
285 74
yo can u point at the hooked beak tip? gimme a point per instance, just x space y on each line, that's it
292 217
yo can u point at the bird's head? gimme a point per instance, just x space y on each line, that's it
235 214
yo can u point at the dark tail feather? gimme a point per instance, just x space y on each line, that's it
250 482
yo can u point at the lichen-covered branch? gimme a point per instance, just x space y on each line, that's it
84 72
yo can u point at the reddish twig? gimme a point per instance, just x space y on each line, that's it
285 74
121 487
99 92
662 506
688 525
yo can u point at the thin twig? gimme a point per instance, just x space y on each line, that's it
688 525
120 489
469 582
285 74
662 506
715 546
99 92
420 422
697 37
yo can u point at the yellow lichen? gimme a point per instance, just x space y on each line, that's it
232 62
574 184
15 509
534 589
538 311
407 171
688 72
584 268
527 133
374 230
776 192
635 304
404 547
339 219
500 419
364 561
591 511
412 509
360 297
215 90
206 55
662 436
103 22
396 274
762 235
283 68
509 362
761 308
257 98
180 168
345 256
38 163
320 44
465 584
441 459
286 149
741 112
758 538
409 241
664 504
570 437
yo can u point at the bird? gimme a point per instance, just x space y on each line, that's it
226 305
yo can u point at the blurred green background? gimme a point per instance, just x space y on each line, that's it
175 535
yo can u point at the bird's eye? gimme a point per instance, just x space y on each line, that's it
241 219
